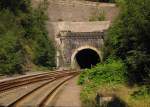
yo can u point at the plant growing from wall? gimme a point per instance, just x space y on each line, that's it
100 16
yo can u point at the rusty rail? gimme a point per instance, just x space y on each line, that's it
66 75
14 83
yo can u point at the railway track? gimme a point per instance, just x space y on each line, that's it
14 83
40 95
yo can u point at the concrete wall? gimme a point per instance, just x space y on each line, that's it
72 42
62 12
55 27
75 10
73 16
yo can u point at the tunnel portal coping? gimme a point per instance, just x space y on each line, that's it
64 32
64 26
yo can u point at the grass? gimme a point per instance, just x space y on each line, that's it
122 91
108 79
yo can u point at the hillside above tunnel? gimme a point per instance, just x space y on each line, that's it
75 10
78 28
79 10
78 25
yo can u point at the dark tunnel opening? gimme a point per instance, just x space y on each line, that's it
87 58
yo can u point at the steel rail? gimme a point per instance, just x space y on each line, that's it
72 74
8 85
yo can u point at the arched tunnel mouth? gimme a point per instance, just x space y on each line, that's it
87 58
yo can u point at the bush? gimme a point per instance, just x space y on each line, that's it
112 71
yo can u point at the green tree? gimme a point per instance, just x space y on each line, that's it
35 27
11 58
15 6
129 39
23 36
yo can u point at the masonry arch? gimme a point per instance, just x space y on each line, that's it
85 57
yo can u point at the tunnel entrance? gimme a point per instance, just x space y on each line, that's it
87 58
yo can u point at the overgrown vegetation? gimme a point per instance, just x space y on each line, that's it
23 37
107 1
100 16
112 72
128 40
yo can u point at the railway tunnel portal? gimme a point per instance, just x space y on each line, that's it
80 44
85 57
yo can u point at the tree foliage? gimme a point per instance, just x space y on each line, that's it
23 36
129 39
10 47
15 6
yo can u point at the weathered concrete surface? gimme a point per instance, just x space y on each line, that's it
77 10
69 27
71 37
55 27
